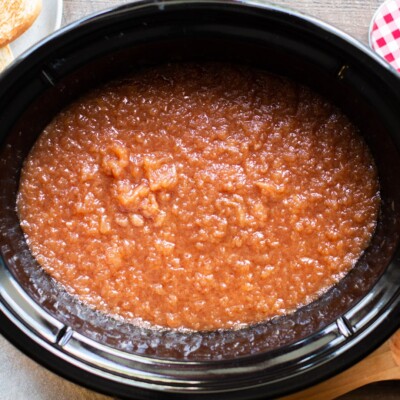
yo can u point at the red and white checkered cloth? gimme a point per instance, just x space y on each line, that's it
385 32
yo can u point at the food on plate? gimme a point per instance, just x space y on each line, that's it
200 196
16 16
5 56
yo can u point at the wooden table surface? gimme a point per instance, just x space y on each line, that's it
23 379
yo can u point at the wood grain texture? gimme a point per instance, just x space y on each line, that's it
23 379
379 366
394 344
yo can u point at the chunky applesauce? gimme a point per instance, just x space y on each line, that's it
199 196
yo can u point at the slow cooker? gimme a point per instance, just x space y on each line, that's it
270 359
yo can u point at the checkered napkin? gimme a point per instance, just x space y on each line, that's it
385 32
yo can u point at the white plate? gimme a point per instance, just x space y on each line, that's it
47 22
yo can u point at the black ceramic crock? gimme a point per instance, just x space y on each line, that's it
267 360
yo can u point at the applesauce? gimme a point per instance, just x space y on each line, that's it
199 196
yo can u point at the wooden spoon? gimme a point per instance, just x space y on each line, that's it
383 364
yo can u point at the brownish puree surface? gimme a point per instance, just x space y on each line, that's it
199 196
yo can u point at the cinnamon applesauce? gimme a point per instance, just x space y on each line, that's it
199 196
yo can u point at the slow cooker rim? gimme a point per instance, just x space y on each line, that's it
138 4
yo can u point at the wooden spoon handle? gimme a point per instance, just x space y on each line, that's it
382 364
